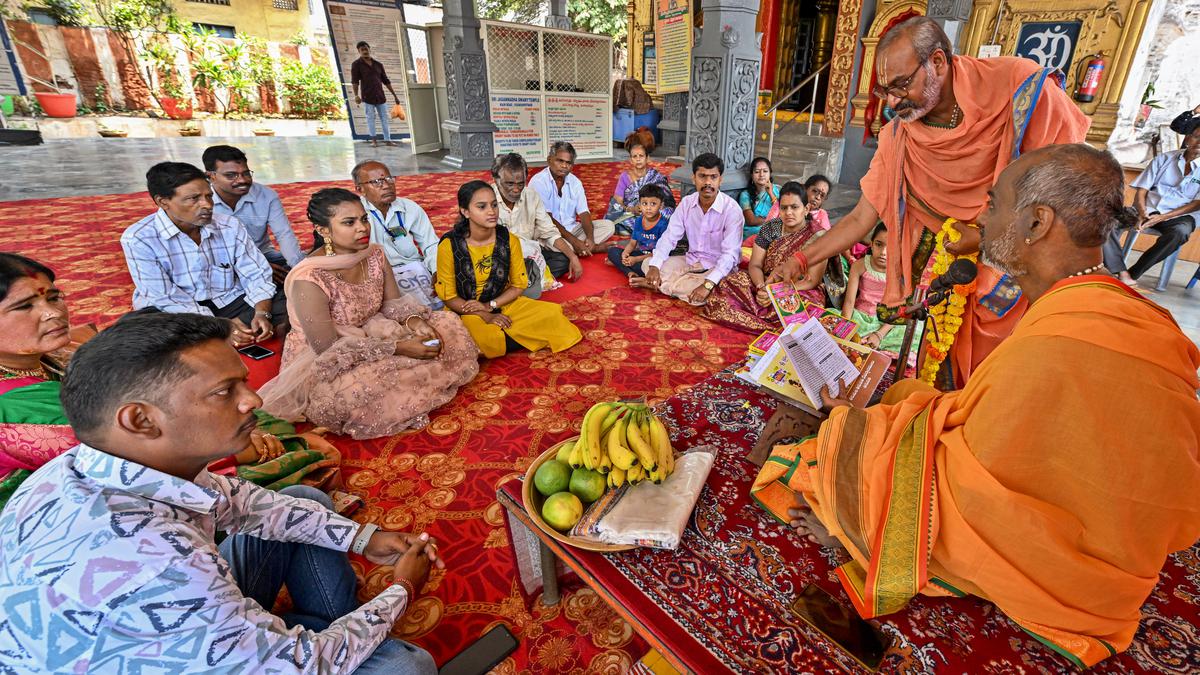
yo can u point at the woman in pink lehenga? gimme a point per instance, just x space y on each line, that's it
362 359
741 301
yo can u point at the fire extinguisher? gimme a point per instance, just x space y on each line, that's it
1089 83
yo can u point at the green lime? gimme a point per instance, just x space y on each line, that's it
588 485
561 511
564 452
552 477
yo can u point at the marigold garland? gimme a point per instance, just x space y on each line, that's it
947 317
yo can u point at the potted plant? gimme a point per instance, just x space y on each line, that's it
56 104
324 129
1148 104
175 102
189 129
111 132
262 129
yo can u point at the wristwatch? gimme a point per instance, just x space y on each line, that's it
494 306
265 315
709 285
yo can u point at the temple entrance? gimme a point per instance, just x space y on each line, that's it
805 45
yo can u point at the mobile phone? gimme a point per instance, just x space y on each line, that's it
432 343
483 654
256 352
842 625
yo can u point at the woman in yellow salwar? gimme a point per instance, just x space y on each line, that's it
480 279
1057 482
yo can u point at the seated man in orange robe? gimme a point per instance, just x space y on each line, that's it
1058 480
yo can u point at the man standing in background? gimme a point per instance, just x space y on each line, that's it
368 73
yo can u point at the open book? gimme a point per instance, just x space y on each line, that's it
806 358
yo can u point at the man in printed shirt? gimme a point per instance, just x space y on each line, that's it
711 221
254 205
523 213
1167 198
402 228
108 558
185 258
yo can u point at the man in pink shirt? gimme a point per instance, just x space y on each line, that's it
712 222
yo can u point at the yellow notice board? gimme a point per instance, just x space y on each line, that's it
673 44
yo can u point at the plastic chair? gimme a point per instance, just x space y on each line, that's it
1195 277
1168 264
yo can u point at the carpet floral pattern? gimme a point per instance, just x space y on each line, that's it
443 478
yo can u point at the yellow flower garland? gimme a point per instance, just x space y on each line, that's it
948 316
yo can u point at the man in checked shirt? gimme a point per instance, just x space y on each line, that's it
108 556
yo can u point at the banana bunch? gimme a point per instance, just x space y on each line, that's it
624 441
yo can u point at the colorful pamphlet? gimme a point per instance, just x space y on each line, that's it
791 307
763 342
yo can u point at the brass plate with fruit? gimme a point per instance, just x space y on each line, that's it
620 442
534 501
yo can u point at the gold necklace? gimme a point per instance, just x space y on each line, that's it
955 118
40 371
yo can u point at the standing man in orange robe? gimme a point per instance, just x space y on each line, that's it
959 122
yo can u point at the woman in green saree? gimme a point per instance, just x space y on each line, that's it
36 342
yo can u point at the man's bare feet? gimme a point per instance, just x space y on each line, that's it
638 282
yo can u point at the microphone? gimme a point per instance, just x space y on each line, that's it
960 272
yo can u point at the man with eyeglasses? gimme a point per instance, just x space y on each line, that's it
255 206
524 214
959 122
402 228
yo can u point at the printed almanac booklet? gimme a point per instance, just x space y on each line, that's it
806 357
791 307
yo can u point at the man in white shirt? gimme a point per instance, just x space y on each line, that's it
523 213
254 205
402 228
112 545
566 201
1167 199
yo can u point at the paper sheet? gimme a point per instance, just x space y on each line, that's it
817 359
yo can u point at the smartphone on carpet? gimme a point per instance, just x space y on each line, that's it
842 625
256 352
483 654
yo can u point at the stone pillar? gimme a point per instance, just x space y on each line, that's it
673 124
952 16
723 102
558 17
468 120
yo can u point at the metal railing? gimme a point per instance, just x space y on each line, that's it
773 111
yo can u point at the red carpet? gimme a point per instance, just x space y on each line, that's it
443 479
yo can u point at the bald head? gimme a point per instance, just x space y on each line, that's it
373 180
921 34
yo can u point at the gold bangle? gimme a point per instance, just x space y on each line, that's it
408 588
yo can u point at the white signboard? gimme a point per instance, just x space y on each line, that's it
374 22
581 121
519 120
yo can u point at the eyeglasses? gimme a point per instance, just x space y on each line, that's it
899 90
234 175
380 182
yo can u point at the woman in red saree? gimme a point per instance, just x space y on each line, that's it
36 342
741 300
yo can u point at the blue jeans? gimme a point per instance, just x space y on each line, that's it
614 256
383 110
321 584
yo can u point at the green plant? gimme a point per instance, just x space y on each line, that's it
101 98
1148 99
310 89
64 12
299 39
220 67
261 65
130 18
607 17
161 56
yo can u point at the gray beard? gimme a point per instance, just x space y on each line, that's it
1002 253
929 97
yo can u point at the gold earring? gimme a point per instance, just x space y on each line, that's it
1028 241
328 247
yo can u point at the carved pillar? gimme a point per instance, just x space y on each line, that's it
558 17
723 101
674 122
468 120
952 16
824 32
